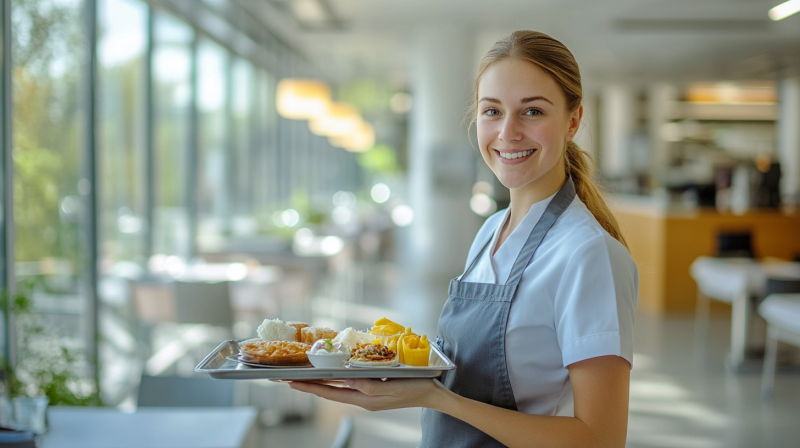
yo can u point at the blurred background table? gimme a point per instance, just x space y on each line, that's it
71 427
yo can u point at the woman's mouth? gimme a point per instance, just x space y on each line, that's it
514 157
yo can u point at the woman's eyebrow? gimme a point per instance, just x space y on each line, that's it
522 101
534 98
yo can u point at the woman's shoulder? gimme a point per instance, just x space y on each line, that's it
579 230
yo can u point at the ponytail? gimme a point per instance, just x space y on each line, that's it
581 166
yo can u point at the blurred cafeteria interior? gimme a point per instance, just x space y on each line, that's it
176 171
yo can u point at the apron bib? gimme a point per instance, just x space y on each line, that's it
472 329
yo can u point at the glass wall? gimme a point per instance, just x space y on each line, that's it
213 184
172 101
183 130
244 144
49 184
121 45
123 182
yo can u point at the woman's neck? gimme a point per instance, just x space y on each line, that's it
523 198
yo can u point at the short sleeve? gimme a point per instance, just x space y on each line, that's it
596 301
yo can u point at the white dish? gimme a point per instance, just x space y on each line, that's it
373 367
265 366
328 360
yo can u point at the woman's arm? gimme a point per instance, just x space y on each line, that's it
600 387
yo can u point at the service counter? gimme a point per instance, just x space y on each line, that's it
664 240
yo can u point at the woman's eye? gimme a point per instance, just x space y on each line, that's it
491 112
533 112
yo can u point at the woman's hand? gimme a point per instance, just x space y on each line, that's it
377 395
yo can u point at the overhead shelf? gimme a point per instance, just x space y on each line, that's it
680 110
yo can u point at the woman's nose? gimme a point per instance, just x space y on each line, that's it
511 130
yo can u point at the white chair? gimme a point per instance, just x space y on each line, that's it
727 280
782 313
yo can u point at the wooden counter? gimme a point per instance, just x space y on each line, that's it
664 241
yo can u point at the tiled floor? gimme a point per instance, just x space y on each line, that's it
677 400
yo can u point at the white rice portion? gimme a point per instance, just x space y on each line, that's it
276 330
350 337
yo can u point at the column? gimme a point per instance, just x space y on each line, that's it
661 97
586 138
441 162
617 121
789 139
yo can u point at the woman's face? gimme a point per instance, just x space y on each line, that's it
523 124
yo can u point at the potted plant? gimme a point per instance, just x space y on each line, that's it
46 369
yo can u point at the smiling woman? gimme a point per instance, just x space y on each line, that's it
540 325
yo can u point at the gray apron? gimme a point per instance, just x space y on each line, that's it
472 330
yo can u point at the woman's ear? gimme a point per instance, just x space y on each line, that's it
574 122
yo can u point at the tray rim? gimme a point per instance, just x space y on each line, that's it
253 373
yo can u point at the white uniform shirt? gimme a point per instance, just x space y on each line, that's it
575 301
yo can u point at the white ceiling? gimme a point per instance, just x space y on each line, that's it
734 40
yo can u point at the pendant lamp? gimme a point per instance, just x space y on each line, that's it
340 120
302 99
360 141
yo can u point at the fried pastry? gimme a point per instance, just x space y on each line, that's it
311 335
299 326
275 353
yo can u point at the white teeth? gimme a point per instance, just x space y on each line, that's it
515 155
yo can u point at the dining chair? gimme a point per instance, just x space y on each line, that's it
735 244
781 310
724 280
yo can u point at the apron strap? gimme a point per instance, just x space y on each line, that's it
554 209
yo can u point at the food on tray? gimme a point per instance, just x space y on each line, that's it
415 351
327 347
275 353
328 354
373 355
389 333
385 327
292 343
299 326
276 330
350 338
313 334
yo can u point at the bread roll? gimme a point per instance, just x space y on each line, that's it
299 326
311 335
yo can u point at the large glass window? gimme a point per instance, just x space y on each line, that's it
242 154
265 172
121 119
121 102
47 52
213 204
172 91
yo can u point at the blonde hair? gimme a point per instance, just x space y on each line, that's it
554 58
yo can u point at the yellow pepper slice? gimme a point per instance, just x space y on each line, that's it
388 329
384 326
406 340
419 354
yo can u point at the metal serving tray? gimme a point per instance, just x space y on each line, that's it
218 365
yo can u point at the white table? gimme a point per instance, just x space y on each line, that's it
735 281
89 427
